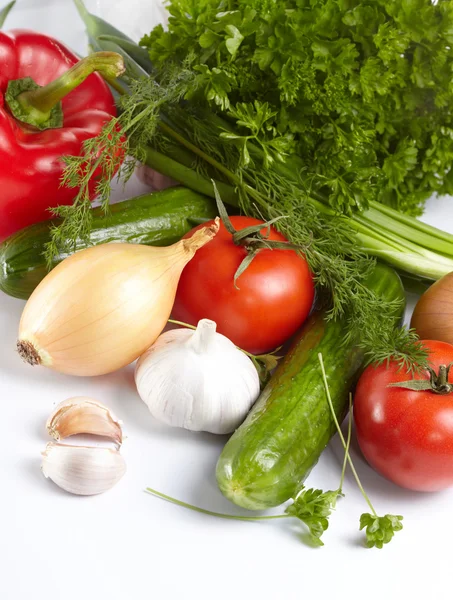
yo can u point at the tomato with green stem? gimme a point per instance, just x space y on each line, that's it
256 286
404 424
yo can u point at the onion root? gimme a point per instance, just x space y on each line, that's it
28 353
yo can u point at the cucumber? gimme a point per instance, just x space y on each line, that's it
157 219
274 450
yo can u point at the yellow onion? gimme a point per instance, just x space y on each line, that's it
102 307
433 314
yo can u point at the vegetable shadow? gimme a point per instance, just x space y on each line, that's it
130 408
127 404
382 492
10 360
32 472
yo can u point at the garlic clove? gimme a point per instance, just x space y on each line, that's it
82 470
83 415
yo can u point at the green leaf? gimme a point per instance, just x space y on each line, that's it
217 84
234 40
245 154
264 57
5 11
227 135
207 38
380 530
259 119
313 508
398 165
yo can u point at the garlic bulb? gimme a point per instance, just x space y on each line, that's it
102 307
198 380
82 470
83 415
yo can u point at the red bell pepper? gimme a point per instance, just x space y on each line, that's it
50 103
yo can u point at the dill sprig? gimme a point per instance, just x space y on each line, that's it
101 157
94 170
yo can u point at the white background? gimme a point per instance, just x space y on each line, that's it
128 544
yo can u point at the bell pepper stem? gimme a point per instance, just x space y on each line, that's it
40 106
108 64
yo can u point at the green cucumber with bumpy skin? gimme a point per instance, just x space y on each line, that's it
157 219
274 450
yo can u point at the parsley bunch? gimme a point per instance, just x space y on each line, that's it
360 90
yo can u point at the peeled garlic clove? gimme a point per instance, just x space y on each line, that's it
83 415
82 470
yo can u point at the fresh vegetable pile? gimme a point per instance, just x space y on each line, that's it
365 121
267 458
307 136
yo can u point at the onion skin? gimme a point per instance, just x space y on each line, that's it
433 313
102 307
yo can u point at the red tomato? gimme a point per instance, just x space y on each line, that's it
274 298
404 434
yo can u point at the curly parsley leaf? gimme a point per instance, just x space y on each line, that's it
313 508
364 86
380 530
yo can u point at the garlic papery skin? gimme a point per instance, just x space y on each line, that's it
82 470
84 415
197 380
102 307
